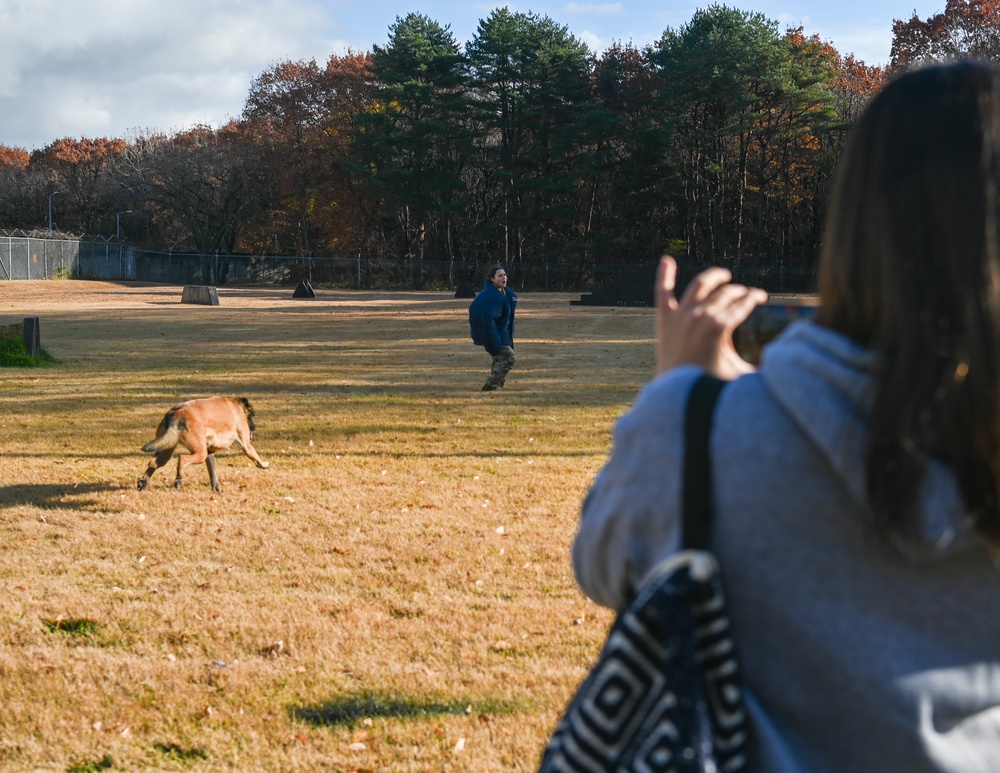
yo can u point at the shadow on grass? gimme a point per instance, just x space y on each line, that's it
180 753
348 710
51 496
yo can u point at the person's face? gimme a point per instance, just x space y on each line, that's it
499 279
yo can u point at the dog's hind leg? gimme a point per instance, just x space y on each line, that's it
158 461
179 480
197 457
210 463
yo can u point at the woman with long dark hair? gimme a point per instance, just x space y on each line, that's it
857 471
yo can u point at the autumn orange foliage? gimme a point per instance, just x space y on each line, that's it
963 28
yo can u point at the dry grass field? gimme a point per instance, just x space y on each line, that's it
393 594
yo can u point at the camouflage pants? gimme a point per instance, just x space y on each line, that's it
502 363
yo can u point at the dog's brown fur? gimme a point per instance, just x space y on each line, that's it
202 427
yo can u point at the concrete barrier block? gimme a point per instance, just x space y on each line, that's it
304 290
203 294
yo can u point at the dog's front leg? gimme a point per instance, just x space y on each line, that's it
250 451
179 480
210 463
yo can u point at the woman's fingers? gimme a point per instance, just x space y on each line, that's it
698 329
705 284
730 305
666 281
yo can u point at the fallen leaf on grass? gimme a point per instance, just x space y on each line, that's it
357 741
459 745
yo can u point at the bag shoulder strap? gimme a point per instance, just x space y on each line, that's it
697 487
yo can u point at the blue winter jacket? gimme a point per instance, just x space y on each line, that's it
491 318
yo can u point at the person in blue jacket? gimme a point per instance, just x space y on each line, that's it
491 318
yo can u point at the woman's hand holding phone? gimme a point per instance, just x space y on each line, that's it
698 328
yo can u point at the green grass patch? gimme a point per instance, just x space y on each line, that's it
13 353
105 763
73 626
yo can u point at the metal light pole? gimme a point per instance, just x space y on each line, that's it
54 193
118 223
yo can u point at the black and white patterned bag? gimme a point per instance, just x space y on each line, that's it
666 693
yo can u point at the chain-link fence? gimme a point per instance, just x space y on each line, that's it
359 273
363 273
37 257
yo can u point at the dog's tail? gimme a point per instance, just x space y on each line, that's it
250 412
167 440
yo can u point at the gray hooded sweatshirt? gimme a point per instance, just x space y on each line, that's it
860 654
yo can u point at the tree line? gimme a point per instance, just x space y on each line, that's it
718 142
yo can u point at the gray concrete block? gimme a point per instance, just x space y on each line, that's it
203 294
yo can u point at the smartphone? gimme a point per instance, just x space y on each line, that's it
768 320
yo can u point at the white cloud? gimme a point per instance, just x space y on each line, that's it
594 42
101 67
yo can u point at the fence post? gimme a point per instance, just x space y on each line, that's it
32 337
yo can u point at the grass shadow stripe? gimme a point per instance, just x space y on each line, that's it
349 710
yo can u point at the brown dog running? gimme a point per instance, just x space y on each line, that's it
202 427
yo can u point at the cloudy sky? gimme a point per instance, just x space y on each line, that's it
111 68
